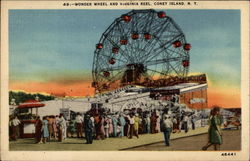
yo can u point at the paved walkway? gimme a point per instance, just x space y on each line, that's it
231 142
110 144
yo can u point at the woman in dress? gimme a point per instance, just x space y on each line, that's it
214 131
45 130
136 125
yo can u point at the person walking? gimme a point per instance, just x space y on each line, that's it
79 121
214 130
45 129
14 128
88 129
167 128
38 130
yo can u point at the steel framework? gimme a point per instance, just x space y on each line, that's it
139 46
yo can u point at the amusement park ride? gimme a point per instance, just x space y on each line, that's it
142 47
145 48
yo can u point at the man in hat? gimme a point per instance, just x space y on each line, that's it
88 128
167 128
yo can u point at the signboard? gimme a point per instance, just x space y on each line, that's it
65 112
164 92
29 129
197 100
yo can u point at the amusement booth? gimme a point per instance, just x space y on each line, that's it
27 118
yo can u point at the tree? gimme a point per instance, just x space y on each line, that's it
22 97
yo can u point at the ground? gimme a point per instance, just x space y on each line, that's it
231 141
150 142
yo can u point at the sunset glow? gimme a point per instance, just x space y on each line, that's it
52 51
216 96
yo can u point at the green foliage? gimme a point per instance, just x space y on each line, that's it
22 97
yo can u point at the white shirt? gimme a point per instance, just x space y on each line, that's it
175 121
79 119
93 121
186 119
62 122
167 123
15 122
131 120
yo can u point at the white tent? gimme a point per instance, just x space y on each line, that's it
53 107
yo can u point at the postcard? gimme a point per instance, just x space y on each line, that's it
125 80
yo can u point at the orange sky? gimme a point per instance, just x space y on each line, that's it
216 95
76 89
225 98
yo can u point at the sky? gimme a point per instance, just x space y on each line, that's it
51 51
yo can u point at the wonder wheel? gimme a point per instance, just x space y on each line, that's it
140 46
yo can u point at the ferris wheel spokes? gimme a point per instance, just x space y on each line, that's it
137 46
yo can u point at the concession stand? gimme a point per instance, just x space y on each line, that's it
27 118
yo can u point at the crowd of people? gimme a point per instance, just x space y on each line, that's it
50 127
102 125
98 124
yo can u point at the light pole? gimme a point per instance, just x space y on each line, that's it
37 99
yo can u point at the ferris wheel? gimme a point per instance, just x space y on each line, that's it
138 46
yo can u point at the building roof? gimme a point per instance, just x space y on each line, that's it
183 87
